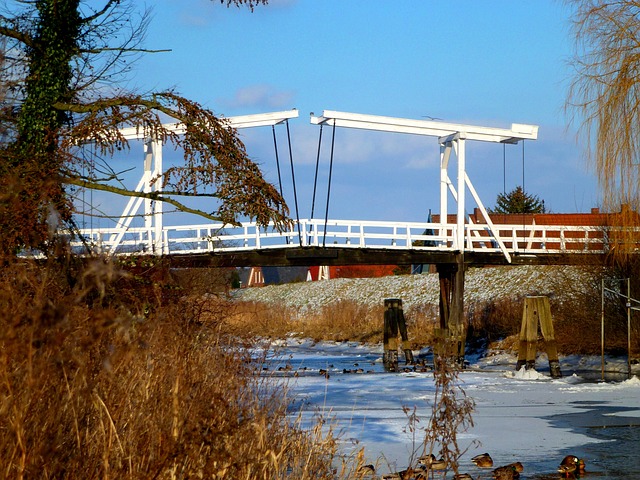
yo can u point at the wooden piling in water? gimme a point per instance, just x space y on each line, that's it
390 336
537 310
394 322
404 334
451 336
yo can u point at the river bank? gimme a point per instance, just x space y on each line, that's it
519 416
482 285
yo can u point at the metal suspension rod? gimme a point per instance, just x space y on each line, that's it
293 180
275 146
524 194
326 213
504 169
315 179
523 189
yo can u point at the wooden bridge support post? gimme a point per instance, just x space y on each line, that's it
528 344
390 335
404 335
393 322
537 310
450 337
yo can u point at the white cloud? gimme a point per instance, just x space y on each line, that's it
202 13
261 96
397 150
196 14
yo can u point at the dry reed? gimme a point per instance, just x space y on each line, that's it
576 310
100 381
342 321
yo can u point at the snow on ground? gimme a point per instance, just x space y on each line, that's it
481 285
519 416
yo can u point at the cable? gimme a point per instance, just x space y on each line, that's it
275 146
523 189
504 169
315 179
524 200
326 213
293 180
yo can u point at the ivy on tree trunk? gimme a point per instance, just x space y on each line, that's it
31 179
63 53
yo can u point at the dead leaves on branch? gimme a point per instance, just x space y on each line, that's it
451 414
216 163
602 102
249 3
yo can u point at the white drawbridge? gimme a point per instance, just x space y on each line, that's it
452 138
155 238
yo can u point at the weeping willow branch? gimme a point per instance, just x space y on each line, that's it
65 54
604 101
156 196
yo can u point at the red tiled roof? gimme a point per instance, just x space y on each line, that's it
591 219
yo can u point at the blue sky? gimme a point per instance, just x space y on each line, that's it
489 63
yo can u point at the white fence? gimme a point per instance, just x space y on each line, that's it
510 239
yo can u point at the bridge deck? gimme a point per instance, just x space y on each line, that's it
334 242
336 256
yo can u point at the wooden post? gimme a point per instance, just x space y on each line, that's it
528 336
602 329
450 338
537 311
446 273
546 325
390 354
628 305
456 320
393 322
404 335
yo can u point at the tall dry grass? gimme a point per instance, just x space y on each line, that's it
103 377
341 321
576 310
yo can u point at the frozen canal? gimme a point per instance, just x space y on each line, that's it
528 418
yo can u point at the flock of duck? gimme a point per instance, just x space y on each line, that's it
571 467
417 367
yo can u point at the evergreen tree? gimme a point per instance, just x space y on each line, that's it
518 201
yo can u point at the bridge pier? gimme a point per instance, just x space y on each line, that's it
394 323
450 337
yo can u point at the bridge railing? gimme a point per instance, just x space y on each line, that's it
203 238
536 239
227 238
373 234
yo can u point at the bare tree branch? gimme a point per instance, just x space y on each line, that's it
157 196
249 3
130 50
21 36
66 53
99 13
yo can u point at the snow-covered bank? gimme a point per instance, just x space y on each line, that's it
519 416
481 285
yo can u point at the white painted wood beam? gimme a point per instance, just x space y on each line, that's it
442 130
238 122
